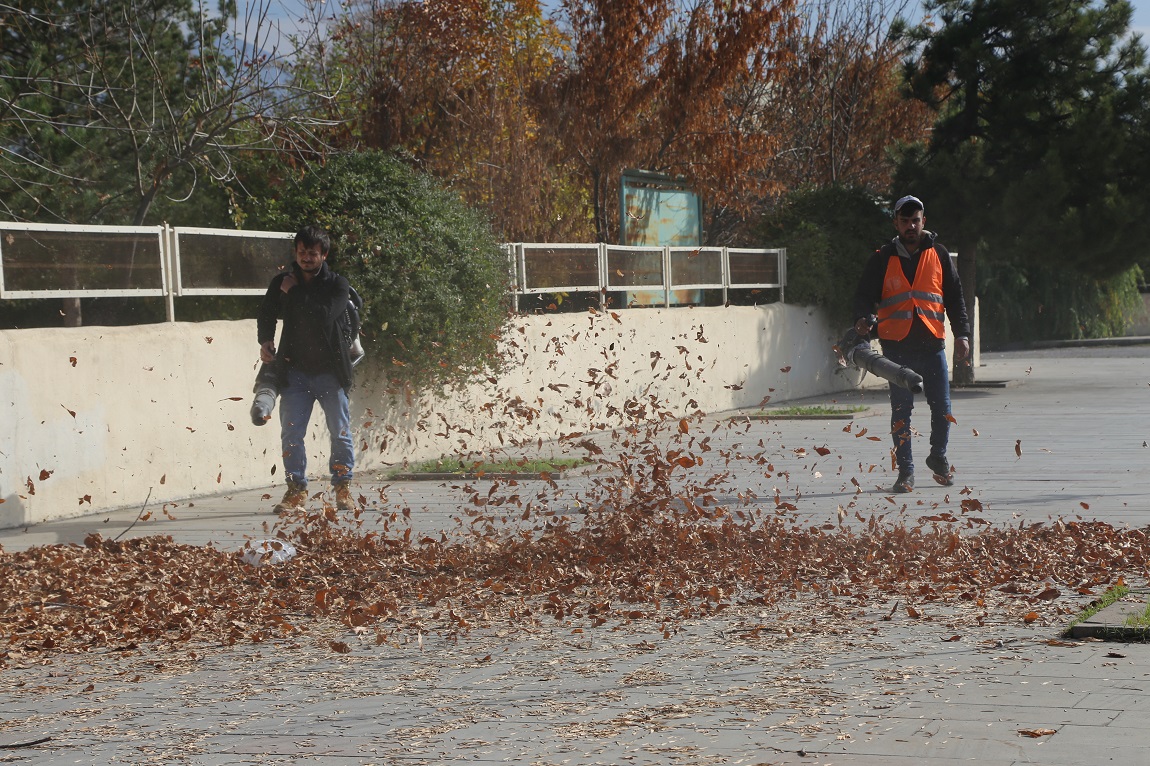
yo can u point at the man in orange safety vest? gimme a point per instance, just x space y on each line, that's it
910 287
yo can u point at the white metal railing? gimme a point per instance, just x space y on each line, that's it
664 273
69 261
39 260
74 261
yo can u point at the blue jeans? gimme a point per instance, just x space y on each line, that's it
297 400
931 365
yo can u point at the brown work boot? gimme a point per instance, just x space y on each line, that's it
343 499
294 498
905 481
940 466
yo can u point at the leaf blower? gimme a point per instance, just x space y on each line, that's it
854 350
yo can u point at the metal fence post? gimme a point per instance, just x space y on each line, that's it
168 264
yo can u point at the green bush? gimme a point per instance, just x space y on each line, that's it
1020 303
829 234
434 280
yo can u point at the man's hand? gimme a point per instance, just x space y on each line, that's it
961 350
268 352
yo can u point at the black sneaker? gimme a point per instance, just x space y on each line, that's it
940 466
905 482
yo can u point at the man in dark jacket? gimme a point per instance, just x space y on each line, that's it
313 361
909 285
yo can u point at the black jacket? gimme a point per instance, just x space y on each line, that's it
314 318
869 293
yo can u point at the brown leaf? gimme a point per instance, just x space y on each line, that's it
70 412
1030 617
684 427
341 647
44 474
1018 447
1036 732
73 360
785 369
208 338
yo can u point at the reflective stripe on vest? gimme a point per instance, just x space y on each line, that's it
901 300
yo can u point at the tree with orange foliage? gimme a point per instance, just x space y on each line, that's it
838 100
446 81
648 84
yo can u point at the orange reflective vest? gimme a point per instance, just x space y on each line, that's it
902 300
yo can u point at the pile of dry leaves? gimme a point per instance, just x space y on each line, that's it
657 540
657 562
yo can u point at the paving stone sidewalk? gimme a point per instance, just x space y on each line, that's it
1066 439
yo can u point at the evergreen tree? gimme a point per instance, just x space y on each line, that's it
1041 153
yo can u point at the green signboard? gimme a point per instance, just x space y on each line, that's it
658 210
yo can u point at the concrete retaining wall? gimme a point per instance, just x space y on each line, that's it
97 418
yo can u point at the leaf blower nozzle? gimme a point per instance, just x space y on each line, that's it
855 350
266 389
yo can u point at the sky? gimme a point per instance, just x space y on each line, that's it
1141 22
